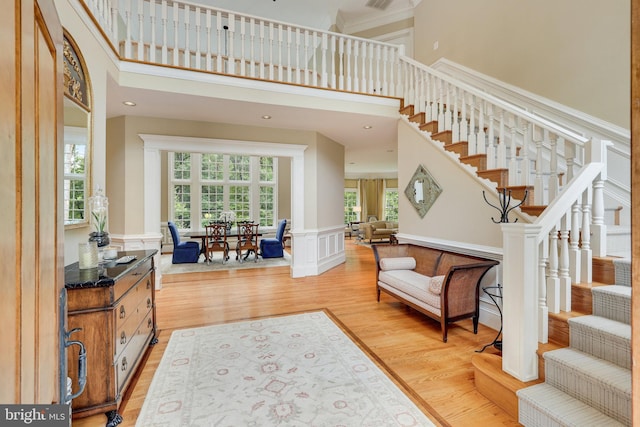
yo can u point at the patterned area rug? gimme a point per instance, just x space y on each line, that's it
216 264
295 370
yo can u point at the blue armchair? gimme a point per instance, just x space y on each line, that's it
273 247
183 252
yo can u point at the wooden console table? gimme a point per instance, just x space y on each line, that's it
114 305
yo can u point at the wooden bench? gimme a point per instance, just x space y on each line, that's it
440 284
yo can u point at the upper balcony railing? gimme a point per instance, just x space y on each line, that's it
198 37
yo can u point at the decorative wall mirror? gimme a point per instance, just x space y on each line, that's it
422 190
77 136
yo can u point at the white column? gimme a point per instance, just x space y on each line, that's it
152 205
520 290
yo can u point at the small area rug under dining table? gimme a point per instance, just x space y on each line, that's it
291 370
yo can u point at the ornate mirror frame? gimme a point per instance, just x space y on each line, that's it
422 190
78 126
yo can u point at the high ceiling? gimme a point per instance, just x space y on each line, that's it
368 153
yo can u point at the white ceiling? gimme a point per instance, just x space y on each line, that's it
368 153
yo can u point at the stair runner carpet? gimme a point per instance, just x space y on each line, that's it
588 383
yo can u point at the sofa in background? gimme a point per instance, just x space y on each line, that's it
377 230
443 285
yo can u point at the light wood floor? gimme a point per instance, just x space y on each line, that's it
409 344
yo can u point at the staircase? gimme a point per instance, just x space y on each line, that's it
589 382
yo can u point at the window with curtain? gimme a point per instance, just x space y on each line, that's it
391 204
350 202
205 185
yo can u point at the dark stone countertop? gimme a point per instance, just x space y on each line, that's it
105 274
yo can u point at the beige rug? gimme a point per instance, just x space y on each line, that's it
168 268
294 370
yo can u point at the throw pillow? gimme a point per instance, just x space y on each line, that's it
435 284
398 263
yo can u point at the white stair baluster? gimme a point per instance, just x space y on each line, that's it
598 228
491 148
262 41
563 265
554 178
538 184
207 23
481 138
243 55
298 79
140 31
176 40
585 238
575 268
356 57
473 148
348 61
198 37
543 309
165 54
271 41
501 154
553 282
187 31
231 55
341 63
252 48
220 52
280 49
152 19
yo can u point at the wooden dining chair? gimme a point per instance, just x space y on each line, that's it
216 241
247 241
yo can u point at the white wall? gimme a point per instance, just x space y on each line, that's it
575 52
460 213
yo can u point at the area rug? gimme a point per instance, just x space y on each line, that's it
294 370
216 264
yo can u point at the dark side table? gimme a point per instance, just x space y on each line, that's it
494 292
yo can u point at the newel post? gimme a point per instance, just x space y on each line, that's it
598 153
521 244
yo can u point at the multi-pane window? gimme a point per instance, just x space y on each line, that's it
240 202
182 205
267 207
391 204
75 176
205 185
350 202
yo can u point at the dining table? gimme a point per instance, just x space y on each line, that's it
202 235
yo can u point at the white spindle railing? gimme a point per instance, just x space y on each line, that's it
540 259
198 37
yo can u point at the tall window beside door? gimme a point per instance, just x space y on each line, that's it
202 186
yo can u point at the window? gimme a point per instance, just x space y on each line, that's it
75 177
391 204
205 185
350 202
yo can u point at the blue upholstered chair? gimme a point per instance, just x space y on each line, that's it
273 247
183 252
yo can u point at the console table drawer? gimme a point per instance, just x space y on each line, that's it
123 285
126 332
131 355
127 308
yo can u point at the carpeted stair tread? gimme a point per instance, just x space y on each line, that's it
596 382
601 337
544 405
613 302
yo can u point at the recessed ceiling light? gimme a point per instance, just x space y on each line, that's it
266 117
367 127
129 103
